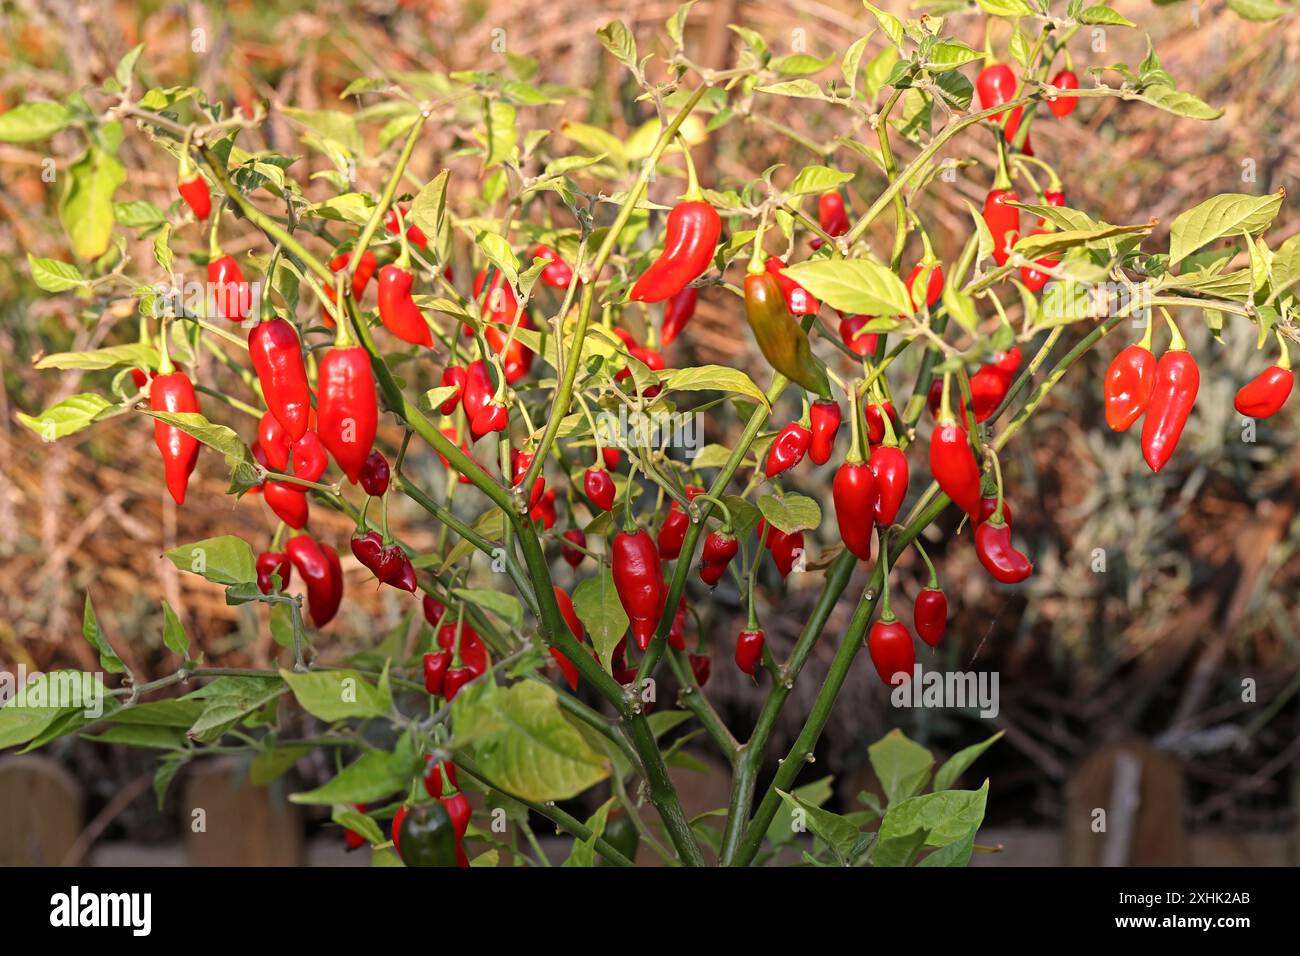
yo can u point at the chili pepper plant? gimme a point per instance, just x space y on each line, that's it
552 646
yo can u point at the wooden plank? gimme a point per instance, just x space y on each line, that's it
229 822
1135 793
40 811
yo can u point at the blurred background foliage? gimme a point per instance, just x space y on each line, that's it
1155 596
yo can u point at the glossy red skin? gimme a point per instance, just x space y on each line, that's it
716 555
989 505
520 462
785 548
875 417
288 502
639 580
996 84
434 785
998 555
499 304
347 411
458 808
454 680
492 417
690 238
1012 123
954 467
612 457
1063 106
797 298
701 668
398 817
414 234
368 548
1127 387
174 392
679 309
450 435
570 616
1003 222
824 419
231 296
478 388
397 310
375 475
677 632
599 487
892 651
404 577
1172 397
831 216
572 556
269 563
788 449
516 359
473 653
435 671
308 457
889 469
195 193
360 279
749 651
544 510
558 274
433 609
933 286
454 376
318 565
930 615
1033 279
863 344
854 492
277 359
673 532
1266 393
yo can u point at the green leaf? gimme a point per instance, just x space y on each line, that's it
225 559
956 765
898 849
1258 10
799 64
228 700
834 830
52 275
498 251
345 816
948 816
817 179
219 437
584 851
1179 103
174 635
950 54
90 630
902 765
272 764
86 206
676 24
135 355
126 66
851 64
1007 8
892 26
1104 16
781 830
1036 247
29 122
595 601
339 695
791 513
40 705
502 134
855 286
67 417
880 68
374 777
800 89
504 606
712 378
1220 216
618 40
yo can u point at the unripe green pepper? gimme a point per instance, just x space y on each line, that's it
426 836
782 340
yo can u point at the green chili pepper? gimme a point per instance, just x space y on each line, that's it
782 340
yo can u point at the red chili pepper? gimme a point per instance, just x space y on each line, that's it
397 310
953 465
375 475
1003 222
433 609
612 457
435 671
996 84
997 554
1053 198
785 548
875 413
368 548
308 457
544 510
520 462
797 298
930 615
1266 393
478 390
174 392
570 616
351 839
572 556
1172 397
854 494
455 679
1033 279
824 420
516 360
719 549
473 653
788 449
492 417
933 286
500 304
360 279
889 469
347 410
270 563
450 435
434 783
414 234
1127 388
701 667
892 650
677 632
558 274
989 505
452 376
863 344
678 310
277 359
458 808
989 386
673 532
749 652
319 566
690 237
599 487
195 193
1062 106
831 216
231 295
639 579
1012 124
